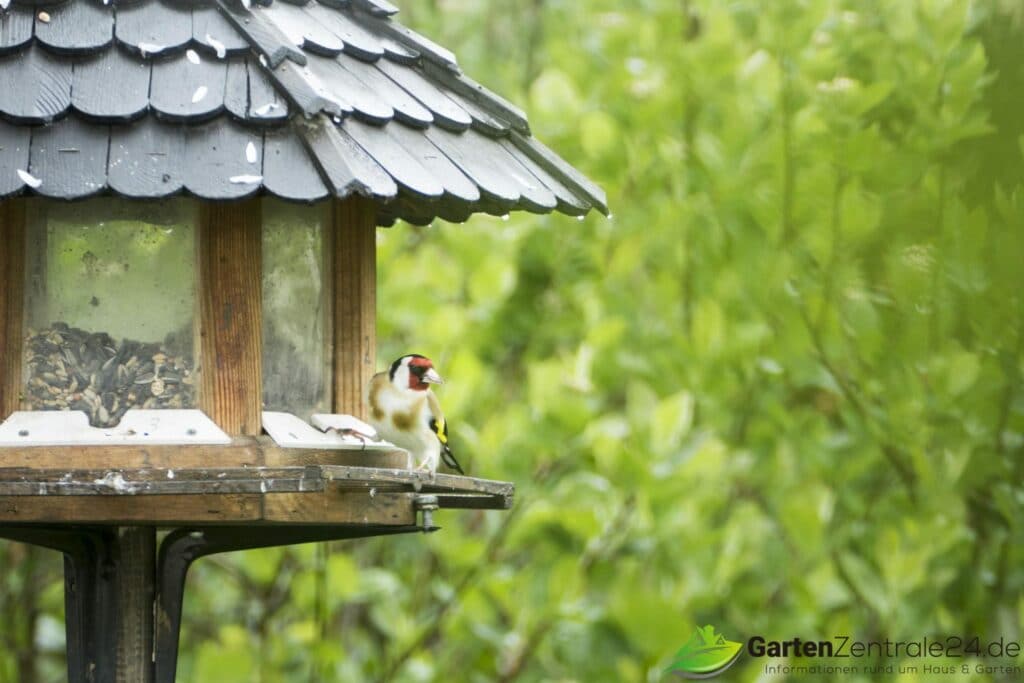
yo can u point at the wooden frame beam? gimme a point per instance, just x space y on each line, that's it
353 240
243 451
230 258
12 302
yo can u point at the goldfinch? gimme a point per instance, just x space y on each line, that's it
406 412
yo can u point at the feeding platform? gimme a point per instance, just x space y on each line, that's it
189 198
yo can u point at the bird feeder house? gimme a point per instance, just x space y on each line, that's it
187 284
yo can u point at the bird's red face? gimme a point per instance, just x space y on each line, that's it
422 373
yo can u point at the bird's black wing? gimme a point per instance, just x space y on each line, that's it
439 426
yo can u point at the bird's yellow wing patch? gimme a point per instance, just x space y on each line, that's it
437 422
440 427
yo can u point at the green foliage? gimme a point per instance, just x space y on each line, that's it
780 392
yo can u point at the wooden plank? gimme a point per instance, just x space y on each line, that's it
335 507
487 100
266 104
14 147
422 213
217 162
446 113
146 159
182 90
402 166
357 41
16 27
154 510
428 49
250 96
230 285
346 167
341 83
239 454
354 264
262 33
28 481
303 29
118 483
76 27
236 89
152 28
456 184
483 121
35 87
423 481
134 589
414 211
92 95
294 495
456 211
477 163
213 32
559 168
568 202
307 92
378 8
363 507
12 285
296 456
70 158
146 479
397 52
288 172
534 195
242 452
406 108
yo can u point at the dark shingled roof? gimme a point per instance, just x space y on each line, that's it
302 101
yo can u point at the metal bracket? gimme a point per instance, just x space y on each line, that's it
427 504
184 546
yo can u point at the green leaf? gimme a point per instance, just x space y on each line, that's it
706 652
672 420
961 372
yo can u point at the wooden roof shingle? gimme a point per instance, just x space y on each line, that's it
224 99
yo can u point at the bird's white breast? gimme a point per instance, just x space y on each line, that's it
393 423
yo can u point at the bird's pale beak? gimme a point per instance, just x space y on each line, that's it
431 377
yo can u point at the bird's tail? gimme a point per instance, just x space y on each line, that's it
449 459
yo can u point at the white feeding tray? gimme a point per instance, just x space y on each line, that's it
137 428
338 432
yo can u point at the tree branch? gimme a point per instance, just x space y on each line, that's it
891 453
468 579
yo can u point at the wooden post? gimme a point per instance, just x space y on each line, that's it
134 589
230 294
354 250
12 301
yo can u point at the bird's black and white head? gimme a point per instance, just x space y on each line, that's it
414 373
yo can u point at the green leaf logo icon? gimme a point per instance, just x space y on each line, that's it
705 654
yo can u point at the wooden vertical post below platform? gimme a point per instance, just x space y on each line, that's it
134 562
353 233
12 301
230 310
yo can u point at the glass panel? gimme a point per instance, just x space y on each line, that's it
110 307
295 356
